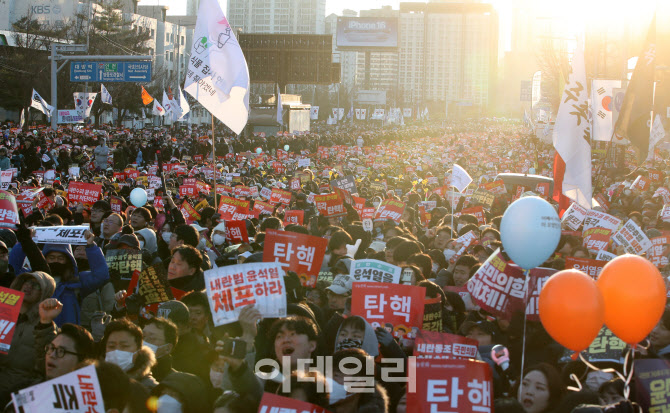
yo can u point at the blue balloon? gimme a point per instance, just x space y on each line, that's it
259 150
286 147
138 197
530 230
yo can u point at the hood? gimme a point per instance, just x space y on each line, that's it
150 243
144 361
65 249
370 343
191 389
47 283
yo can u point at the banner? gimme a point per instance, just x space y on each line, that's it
652 378
375 271
390 209
632 238
83 102
438 345
585 265
300 253
122 264
154 286
82 192
236 232
70 116
76 392
274 403
294 216
61 235
454 386
574 216
330 205
10 307
398 308
232 287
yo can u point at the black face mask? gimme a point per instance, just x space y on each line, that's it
82 264
59 269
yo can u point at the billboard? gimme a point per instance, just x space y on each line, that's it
371 97
367 33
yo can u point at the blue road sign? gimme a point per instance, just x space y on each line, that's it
110 72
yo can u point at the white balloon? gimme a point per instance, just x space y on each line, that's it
530 231
138 197
286 147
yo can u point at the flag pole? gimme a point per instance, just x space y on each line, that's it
214 160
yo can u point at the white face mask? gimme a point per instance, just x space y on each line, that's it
338 392
151 346
436 268
448 254
166 236
459 227
216 377
218 239
141 244
168 404
202 244
123 359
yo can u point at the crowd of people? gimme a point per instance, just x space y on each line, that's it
171 357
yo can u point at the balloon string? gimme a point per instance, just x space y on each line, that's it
574 378
626 377
523 346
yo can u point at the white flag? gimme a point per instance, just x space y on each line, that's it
183 104
657 134
358 114
460 179
158 109
104 95
572 133
216 54
83 102
280 116
41 104
340 113
407 112
23 119
602 104
314 113
364 113
167 103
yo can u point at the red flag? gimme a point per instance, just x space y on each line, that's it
559 171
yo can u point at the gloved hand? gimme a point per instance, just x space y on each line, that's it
384 337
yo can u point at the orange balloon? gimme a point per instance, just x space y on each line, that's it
572 309
634 294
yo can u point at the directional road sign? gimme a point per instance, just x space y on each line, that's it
110 72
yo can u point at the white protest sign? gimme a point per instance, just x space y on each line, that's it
73 171
73 235
631 237
574 216
663 193
375 270
303 163
665 213
50 175
460 178
368 225
78 391
605 256
600 219
231 288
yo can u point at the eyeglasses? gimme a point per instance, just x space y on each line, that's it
58 352
34 285
111 222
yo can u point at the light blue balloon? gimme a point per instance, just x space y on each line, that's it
138 197
259 150
530 230
286 147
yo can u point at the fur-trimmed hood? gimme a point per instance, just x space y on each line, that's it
375 402
144 361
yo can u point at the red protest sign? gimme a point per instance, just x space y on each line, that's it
236 231
188 190
436 345
44 202
641 183
537 278
271 403
393 306
242 191
390 209
294 184
294 216
190 214
10 306
9 212
224 189
585 265
87 194
495 187
302 253
368 213
131 173
604 203
455 386
478 212
263 207
330 205
596 239
542 189
119 176
233 209
655 176
280 196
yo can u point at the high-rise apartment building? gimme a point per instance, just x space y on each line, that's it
277 16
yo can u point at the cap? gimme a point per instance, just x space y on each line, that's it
174 310
488 327
129 240
341 285
198 227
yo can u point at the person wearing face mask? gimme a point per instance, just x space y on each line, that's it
219 236
161 336
147 238
6 271
34 330
71 284
182 393
123 346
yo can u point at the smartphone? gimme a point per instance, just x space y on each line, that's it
235 348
